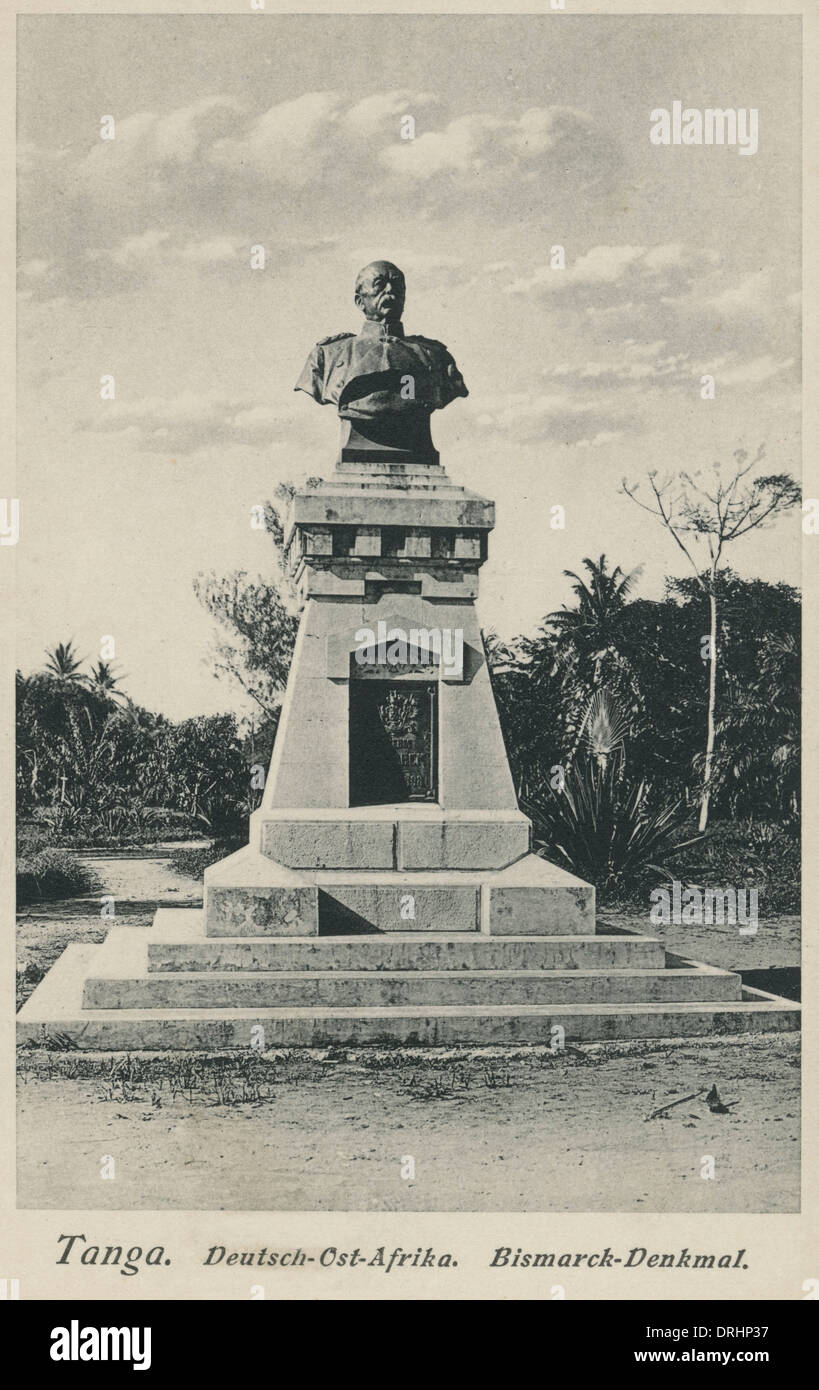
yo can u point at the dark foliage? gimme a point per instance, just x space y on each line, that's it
50 874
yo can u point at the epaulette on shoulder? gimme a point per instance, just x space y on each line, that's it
431 342
334 338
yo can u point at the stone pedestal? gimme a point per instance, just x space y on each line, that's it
389 802
388 893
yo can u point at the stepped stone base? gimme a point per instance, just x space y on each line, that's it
177 985
249 894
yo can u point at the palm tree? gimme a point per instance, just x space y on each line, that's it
605 728
500 656
103 681
592 627
590 646
64 663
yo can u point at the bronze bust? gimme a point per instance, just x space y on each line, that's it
384 382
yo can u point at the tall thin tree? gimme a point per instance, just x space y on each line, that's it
715 513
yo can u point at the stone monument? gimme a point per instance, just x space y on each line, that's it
388 891
389 766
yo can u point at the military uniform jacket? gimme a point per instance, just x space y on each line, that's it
380 370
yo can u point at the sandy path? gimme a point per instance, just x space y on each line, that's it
144 879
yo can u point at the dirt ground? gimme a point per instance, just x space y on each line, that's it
487 1130
769 959
493 1130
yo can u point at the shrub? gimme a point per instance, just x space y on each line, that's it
752 854
31 839
53 873
135 827
191 863
606 828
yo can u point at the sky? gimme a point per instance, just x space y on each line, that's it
286 132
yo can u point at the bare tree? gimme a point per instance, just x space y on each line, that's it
715 513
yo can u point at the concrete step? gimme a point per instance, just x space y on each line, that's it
398 902
408 951
54 1017
175 944
248 894
527 898
373 988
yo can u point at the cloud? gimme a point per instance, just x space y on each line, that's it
467 145
756 370
382 112
135 250
602 265
601 390
190 421
641 317
748 293
617 273
131 263
290 145
614 364
632 367
558 416
192 148
149 144
506 150
214 250
213 166
600 440
153 246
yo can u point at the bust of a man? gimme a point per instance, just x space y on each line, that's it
384 382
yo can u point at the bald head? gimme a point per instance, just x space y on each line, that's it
380 290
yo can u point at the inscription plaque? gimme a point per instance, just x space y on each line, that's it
393 743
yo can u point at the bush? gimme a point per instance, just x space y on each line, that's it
52 873
191 863
607 829
31 839
115 828
750 854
